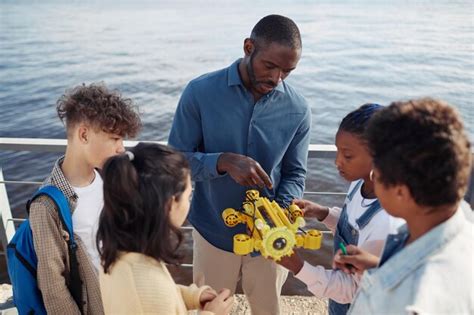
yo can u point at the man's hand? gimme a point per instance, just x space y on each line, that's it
293 263
312 209
244 170
356 260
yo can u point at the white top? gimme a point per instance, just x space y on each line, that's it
85 218
335 284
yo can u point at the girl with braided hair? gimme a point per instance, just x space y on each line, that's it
361 221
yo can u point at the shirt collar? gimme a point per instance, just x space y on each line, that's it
403 263
58 179
234 77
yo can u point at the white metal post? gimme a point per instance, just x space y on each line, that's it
7 228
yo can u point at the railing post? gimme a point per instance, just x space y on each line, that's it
7 228
470 190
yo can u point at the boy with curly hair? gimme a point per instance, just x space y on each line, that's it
422 162
97 120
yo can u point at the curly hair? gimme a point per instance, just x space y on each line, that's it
137 195
101 108
422 144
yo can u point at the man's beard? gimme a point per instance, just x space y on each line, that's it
253 79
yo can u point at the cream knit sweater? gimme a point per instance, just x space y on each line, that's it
138 284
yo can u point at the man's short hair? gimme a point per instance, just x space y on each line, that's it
277 29
422 144
101 108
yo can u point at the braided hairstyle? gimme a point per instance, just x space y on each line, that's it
356 121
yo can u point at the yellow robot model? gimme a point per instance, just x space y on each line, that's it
272 231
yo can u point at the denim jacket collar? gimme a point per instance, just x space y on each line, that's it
413 255
234 77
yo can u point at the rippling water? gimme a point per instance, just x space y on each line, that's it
354 52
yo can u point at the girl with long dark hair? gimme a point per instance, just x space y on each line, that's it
146 200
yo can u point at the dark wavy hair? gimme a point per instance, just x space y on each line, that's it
422 144
104 109
137 200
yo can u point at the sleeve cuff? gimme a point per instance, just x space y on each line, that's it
305 272
191 295
332 218
315 279
211 164
197 297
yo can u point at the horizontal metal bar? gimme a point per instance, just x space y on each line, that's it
59 145
324 193
19 182
185 228
186 265
24 182
16 220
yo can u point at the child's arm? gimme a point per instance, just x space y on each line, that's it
333 284
192 295
206 299
328 216
356 260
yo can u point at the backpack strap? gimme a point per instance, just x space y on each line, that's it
62 204
64 212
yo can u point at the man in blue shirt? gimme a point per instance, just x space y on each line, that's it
243 127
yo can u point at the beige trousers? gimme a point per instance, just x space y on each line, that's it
262 279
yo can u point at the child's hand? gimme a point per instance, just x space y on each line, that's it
221 304
294 263
356 260
207 296
312 209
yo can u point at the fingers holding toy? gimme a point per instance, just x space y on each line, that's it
244 170
355 260
311 209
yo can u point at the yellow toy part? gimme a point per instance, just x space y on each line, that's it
273 231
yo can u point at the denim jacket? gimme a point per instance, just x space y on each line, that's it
432 275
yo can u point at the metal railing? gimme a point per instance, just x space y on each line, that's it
7 226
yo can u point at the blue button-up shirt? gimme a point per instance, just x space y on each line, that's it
432 275
217 114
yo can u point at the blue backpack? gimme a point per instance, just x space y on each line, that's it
22 260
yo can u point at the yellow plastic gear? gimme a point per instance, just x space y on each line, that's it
313 239
231 217
243 244
295 212
277 242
